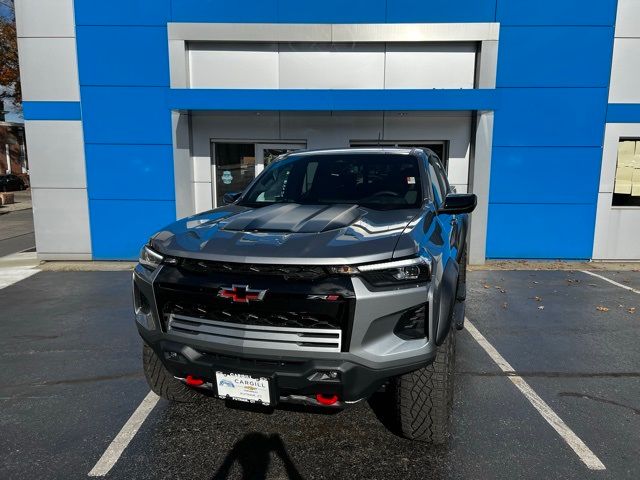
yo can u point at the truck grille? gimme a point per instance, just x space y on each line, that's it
252 317
288 272
256 336
282 320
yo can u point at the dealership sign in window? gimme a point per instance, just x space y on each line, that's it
626 191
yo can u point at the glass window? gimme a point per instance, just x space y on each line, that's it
375 180
626 190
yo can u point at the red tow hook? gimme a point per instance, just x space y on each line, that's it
193 381
325 399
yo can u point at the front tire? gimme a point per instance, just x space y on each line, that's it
423 399
162 382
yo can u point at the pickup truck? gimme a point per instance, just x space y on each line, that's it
336 275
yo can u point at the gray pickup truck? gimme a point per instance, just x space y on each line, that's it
335 276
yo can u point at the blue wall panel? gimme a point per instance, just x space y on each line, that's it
540 231
441 11
545 174
623 113
550 117
554 56
51 110
130 115
122 12
242 11
556 12
332 11
140 172
126 56
119 228
361 100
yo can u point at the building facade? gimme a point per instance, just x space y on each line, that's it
139 112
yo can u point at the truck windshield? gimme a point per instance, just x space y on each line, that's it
374 180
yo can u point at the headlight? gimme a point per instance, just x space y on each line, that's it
396 272
149 258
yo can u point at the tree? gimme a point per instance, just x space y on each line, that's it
9 68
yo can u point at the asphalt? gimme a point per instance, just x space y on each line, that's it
16 232
71 377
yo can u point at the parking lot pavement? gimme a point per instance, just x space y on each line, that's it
16 232
71 378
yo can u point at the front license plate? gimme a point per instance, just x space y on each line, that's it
243 388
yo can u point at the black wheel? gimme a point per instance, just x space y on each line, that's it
423 399
162 382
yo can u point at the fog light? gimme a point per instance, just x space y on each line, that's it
412 324
324 376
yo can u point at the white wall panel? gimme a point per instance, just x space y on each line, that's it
625 71
327 66
45 18
233 65
202 169
617 228
61 221
617 231
430 65
56 154
627 24
49 69
203 196
330 66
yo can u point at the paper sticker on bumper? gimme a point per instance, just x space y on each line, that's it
243 387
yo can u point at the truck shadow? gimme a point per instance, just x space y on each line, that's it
253 454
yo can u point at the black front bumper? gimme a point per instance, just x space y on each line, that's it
289 377
351 374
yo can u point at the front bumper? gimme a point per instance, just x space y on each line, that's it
371 353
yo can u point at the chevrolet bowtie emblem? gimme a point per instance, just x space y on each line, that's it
242 294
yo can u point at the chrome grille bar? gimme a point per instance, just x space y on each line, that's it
256 336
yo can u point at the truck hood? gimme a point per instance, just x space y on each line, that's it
289 233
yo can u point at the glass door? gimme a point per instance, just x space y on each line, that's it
234 166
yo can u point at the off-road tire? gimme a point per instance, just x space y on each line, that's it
162 382
423 399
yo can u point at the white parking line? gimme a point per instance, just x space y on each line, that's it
584 453
9 276
118 445
626 287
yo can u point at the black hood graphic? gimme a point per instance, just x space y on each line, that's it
289 233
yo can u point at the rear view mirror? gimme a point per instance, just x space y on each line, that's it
459 203
231 197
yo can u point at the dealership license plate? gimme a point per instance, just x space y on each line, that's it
244 388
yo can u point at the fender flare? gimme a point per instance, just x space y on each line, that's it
444 301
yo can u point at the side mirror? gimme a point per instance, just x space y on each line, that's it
231 197
459 203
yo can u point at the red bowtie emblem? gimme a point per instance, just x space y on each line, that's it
242 294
